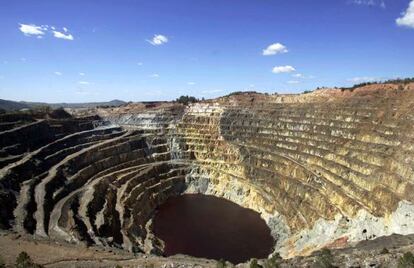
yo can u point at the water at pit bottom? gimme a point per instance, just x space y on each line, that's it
210 227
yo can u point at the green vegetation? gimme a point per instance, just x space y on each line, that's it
186 99
384 251
241 93
59 113
42 109
2 263
357 86
35 111
38 112
273 262
221 263
307 91
397 81
404 81
254 264
324 259
406 261
24 261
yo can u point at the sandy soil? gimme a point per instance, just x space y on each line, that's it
57 254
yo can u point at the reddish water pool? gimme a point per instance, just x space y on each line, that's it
210 227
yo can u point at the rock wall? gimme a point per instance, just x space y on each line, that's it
328 168
324 169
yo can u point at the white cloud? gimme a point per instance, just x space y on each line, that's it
158 40
81 74
380 3
298 75
40 31
363 79
62 35
273 49
191 83
84 83
155 75
58 73
293 82
407 17
31 29
283 69
140 63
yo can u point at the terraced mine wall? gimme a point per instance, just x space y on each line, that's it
327 168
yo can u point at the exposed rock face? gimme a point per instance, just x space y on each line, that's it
324 169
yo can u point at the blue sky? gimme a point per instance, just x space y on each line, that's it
80 50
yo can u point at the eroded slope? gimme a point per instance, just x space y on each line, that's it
327 168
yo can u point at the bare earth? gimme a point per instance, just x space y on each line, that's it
57 254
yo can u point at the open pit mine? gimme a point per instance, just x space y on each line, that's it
326 169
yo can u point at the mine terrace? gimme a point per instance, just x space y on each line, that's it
325 169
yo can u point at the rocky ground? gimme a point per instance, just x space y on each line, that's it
60 254
324 169
381 252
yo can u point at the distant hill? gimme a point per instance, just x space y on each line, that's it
77 105
12 105
17 105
